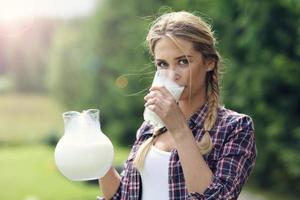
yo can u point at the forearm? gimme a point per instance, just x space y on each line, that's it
197 174
110 183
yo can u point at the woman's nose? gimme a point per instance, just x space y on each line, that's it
177 76
176 73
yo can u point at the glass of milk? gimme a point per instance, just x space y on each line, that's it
163 77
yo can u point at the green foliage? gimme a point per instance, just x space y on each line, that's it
68 78
259 41
261 38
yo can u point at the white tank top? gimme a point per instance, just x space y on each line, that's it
155 184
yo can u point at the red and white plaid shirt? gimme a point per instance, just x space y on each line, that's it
231 159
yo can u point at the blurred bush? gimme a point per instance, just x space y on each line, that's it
51 139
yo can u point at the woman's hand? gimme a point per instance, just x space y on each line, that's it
160 101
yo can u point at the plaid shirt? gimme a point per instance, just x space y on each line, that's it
231 159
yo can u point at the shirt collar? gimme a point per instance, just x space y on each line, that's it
198 117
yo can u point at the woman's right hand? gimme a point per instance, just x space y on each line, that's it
110 183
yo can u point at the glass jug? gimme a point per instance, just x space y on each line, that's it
84 152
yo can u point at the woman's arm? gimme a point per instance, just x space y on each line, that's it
110 183
236 161
197 174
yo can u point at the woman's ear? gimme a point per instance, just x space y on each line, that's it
210 64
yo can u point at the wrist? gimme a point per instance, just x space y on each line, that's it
181 133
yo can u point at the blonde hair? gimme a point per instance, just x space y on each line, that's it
192 28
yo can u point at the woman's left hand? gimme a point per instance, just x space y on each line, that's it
160 101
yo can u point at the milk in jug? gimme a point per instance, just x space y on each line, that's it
84 152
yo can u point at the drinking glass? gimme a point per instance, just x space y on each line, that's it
166 78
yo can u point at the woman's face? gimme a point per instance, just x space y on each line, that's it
188 64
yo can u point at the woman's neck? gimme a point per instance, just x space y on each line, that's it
188 107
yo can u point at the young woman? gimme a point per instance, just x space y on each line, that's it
205 151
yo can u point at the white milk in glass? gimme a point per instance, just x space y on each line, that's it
84 152
163 78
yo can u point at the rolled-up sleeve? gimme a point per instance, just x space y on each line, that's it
235 164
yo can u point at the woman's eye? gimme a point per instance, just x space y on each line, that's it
183 62
161 64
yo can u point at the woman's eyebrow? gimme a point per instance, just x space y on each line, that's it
177 58
159 59
183 56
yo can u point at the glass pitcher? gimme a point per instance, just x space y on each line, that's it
84 152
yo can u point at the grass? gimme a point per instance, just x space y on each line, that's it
29 173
